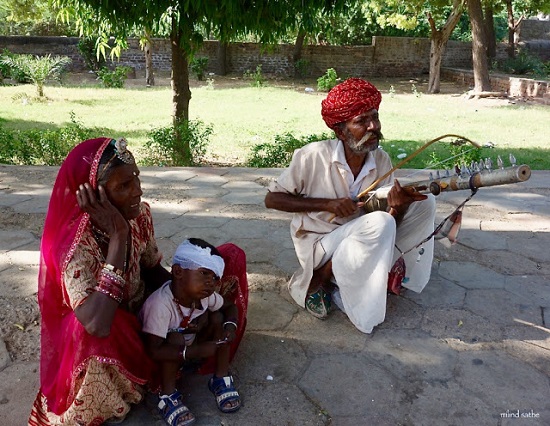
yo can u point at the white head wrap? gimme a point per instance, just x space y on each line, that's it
190 256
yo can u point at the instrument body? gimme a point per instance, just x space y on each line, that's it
377 199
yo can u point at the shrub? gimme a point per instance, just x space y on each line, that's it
327 81
41 147
279 153
198 67
302 68
8 71
114 79
257 77
163 149
460 153
87 48
38 69
523 63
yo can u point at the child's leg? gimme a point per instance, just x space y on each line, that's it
226 396
171 406
168 372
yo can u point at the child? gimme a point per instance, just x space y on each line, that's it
186 319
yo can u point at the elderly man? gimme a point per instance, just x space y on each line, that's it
345 253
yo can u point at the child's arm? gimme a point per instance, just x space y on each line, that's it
230 324
160 349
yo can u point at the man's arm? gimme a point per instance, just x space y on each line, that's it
286 202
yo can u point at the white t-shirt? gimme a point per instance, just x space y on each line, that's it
160 314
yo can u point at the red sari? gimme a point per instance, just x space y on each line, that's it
84 379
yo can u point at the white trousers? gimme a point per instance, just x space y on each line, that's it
363 252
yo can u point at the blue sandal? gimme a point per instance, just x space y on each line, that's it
224 391
171 408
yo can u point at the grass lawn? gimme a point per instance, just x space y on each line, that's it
243 116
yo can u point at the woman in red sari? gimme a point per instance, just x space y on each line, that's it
99 259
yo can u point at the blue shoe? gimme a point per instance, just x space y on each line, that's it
319 304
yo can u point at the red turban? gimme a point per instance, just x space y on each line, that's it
349 99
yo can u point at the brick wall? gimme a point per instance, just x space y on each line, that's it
533 29
386 57
513 86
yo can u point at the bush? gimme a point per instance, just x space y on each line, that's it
302 68
257 76
9 71
327 81
38 69
198 67
523 63
163 149
460 152
41 147
279 153
87 48
114 79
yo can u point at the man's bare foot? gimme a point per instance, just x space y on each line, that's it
321 278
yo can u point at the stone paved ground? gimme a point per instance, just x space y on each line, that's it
472 349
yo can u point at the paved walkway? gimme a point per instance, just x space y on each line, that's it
472 349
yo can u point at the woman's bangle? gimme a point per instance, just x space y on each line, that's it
183 353
112 294
112 268
232 323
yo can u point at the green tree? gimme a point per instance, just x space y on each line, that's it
442 17
438 42
186 22
33 17
518 10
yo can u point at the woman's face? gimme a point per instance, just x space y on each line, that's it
123 189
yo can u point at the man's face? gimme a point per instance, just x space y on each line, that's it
363 132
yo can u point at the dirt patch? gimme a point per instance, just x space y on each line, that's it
162 79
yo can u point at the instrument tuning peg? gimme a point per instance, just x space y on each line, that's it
512 160
481 164
500 163
489 164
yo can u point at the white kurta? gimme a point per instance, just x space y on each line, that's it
361 246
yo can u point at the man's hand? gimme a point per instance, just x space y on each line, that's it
343 207
399 198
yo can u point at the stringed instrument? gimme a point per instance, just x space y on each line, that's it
476 176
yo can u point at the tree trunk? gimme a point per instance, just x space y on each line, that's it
438 43
479 54
512 28
297 51
222 57
181 95
149 73
437 48
490 32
